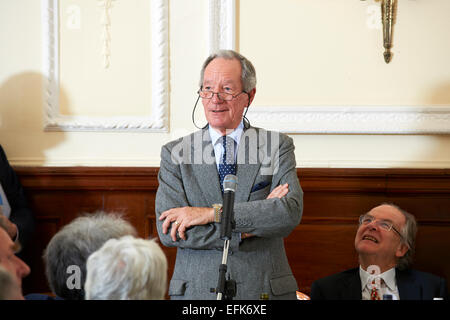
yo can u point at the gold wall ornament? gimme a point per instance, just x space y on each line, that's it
387 20
387 17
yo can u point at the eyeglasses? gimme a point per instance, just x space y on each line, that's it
366 219
205 94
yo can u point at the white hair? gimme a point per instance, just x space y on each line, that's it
127 269
248 73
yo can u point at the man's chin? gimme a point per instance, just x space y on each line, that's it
366 248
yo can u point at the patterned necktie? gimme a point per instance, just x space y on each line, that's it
226 165
374 295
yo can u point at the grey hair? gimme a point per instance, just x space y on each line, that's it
248 74
127 269
408 232
72 245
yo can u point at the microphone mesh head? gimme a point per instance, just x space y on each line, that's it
230 183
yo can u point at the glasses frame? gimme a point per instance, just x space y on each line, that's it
378 222
219 94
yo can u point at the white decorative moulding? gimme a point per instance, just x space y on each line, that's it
326 119
157 121
221 25
352 120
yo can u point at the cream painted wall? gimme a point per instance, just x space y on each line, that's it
330 52
326 56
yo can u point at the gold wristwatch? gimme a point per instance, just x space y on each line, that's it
217 212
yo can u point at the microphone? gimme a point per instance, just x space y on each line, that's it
229 188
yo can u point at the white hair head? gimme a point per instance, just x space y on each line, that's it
127 269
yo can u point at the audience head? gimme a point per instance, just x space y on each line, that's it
69 249
9 261
127 269
386 237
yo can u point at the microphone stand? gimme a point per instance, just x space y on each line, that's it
226 288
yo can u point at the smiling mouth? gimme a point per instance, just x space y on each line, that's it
370 239
218 111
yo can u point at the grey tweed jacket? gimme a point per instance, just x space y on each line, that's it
188 177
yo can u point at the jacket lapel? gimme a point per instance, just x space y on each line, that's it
352 287
204 167
248 164
407 286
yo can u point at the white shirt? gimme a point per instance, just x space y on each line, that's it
388 283
217 144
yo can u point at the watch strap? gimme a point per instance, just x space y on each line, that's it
217 212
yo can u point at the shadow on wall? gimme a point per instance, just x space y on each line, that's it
22 108
439 96
433 150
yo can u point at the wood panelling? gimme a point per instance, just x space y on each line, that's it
321 245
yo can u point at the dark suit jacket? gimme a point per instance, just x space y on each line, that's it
412 285
21 215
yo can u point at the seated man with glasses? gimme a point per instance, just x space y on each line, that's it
385 244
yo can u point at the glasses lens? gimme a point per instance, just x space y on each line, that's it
385 225
220 95
205 94
365 219
225 96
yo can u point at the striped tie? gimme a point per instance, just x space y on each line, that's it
227 164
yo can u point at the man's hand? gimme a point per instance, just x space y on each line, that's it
180 219
11 228
279 192
183 218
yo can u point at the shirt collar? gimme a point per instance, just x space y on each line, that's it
236 134
387 276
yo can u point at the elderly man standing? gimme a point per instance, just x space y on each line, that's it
385 245
268 199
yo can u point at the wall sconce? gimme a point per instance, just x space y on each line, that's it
387 19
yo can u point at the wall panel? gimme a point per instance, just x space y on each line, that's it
321 245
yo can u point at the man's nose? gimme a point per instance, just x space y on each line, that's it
373 225
216 99
22 268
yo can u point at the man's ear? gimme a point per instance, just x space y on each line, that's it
401 250
252 95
